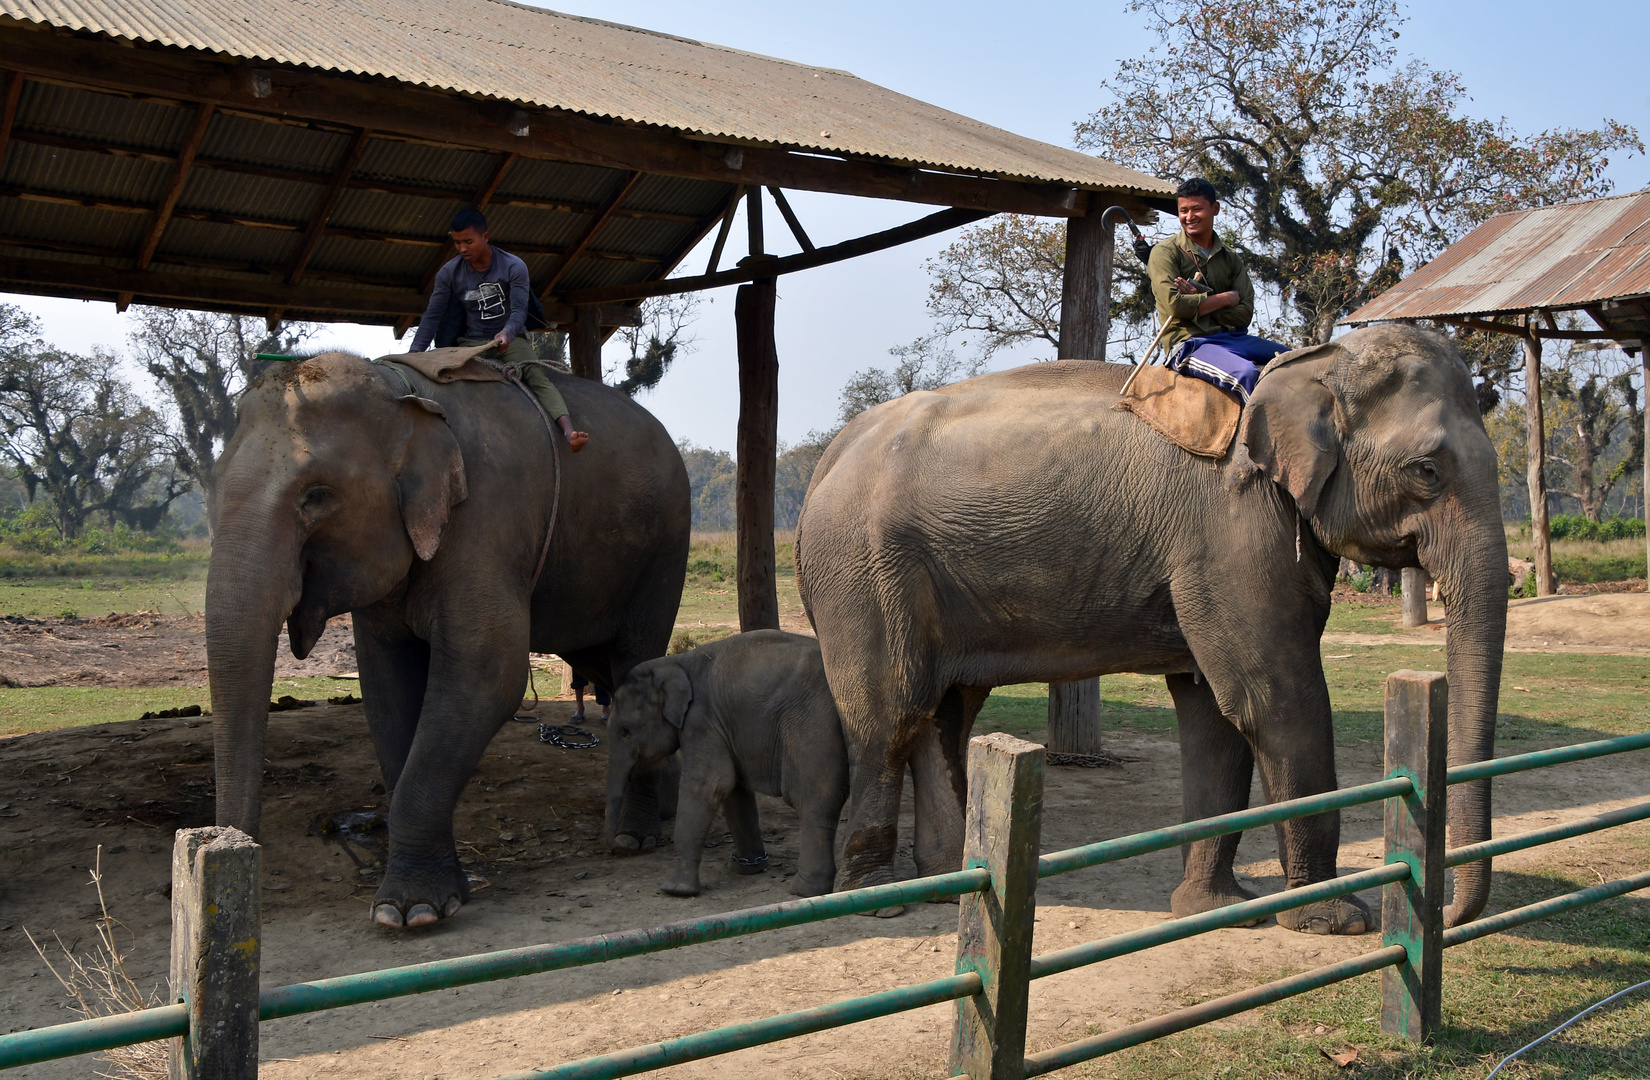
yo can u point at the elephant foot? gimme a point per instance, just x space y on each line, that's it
406 901
817 885
1196 897
680 885
757 864
1343 915
627 844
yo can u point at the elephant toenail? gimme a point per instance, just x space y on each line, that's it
626 842
387 915
422 915
453 904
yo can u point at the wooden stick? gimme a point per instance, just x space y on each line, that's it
1155 342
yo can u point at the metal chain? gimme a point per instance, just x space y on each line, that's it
568 737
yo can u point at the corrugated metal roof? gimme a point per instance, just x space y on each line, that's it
531 56
1552 258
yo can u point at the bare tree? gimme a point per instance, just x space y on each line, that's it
657 342
202 361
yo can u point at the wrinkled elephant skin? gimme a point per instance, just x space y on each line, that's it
424 513
1017 528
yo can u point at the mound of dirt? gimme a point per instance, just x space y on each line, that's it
140 649
1603 620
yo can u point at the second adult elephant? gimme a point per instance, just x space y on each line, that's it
1016 528
424 509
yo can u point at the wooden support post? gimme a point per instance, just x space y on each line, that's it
1415 596
216 922
1002 833
1085 323
758 444
1644 492
1412 911
584 344
1535 429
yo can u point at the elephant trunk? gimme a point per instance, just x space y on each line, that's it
1472 568
252 583
618 779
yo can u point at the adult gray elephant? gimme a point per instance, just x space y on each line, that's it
423 509
1016 528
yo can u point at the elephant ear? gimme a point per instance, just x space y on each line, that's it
430 481
678 692
1288 426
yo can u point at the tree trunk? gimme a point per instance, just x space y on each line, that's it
1085 323
1535 434
1415 596
758 444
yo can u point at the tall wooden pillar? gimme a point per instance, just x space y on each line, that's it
584 344
1536 473
1644 400
1085 321
758 440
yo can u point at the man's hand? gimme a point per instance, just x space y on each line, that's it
1219 301
1187 288
502 340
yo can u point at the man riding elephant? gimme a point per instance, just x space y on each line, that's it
1205 300
484 294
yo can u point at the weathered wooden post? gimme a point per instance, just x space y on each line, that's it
1085 323
758 438
1644 491
1535 473
1002 833
584 343
216 923
1412 911
1415 596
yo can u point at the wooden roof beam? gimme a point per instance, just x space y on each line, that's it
790 217
943 221
180 177
567 258
8 110
1550 332
727 227
459 121
317 230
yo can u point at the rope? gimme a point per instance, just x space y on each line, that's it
513 374
1565 1024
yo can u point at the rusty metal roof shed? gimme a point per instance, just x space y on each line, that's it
1591 256
301 159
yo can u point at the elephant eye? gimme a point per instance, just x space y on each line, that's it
624 732
318 502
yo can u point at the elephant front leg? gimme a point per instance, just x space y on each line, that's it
816 862
1216 768
694 813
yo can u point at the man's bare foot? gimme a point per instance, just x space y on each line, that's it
577 439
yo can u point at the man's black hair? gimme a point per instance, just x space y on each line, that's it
471 218
1197 188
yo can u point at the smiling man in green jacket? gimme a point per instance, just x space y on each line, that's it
1206 300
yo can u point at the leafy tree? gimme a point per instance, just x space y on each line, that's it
72 429
1001 280
202 361
657 342
1341 164
924 364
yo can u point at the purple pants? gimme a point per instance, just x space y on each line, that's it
1230 361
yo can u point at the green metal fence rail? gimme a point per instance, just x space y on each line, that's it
995 965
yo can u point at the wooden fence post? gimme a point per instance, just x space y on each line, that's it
1415 596
994 932
1412 911
216 920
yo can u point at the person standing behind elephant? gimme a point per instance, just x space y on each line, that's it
1205 299
749 714
491 289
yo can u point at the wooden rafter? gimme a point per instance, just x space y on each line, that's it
317 230
567 258
1551 332
180 176
727 227
790 217
8 110
943 221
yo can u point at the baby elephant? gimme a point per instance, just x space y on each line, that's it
751 713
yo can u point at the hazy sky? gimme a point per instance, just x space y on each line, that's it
1035 74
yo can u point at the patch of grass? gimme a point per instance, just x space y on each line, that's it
90 597
47 708
1366 617
1500 993
1586 560
711 599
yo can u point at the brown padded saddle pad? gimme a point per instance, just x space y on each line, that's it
1192 414
458 364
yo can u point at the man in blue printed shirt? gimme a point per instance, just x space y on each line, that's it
493 288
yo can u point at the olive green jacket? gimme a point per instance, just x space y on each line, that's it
1222 271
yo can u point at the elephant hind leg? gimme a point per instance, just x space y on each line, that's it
939 780
1216 769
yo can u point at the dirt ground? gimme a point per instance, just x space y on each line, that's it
529 823
1603 622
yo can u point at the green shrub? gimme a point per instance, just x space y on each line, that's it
1595 568
1577 527
1362 580
706 570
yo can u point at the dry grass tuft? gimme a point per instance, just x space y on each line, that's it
101 986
